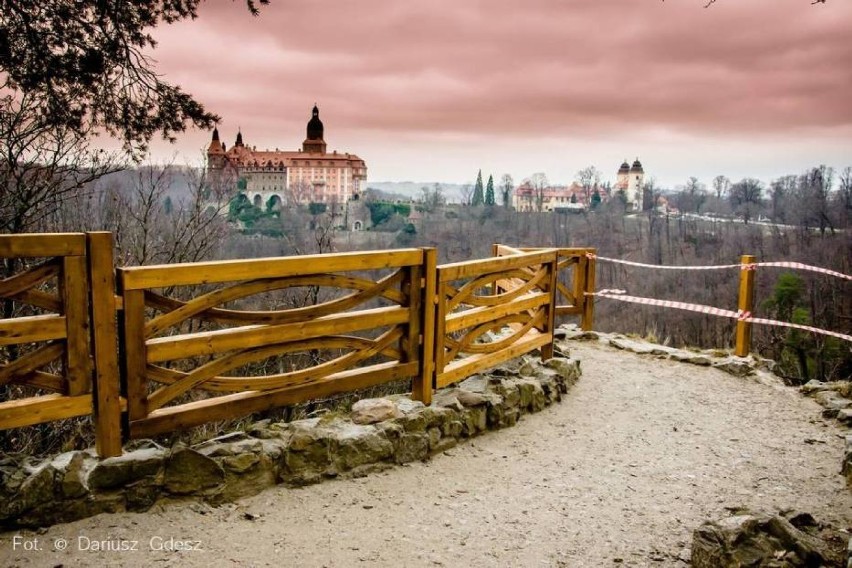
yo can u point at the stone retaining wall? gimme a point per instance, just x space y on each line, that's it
377 434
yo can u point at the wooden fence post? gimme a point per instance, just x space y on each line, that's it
745 305
550 315
106 401
421 388
587 269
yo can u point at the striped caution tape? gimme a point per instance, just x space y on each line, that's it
740 315
752 266
662 266
800 266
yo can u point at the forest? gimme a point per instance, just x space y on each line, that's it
167 214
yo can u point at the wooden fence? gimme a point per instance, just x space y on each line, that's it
154 386
63 343
152 349
469 305
575 278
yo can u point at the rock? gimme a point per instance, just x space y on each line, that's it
127 468
758 540
308 455
568 369
813 386
737 366
356 445
188 471
72 475
468 398
476 384
845 416
447 398
407 406
691 358
372 410
826 398
846 469
37 488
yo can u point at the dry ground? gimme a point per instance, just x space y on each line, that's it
639 454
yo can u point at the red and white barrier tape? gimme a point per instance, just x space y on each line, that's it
662 266
800 266
753 266
738 315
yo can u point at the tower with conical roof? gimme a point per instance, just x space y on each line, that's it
216 152
621 180
314 143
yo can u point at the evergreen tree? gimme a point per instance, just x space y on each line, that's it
596 199
478 198
489 192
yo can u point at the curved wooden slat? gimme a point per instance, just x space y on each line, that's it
164 395
29 278
205 305
30 362
465 294
41 380
466 345
39 299
262 382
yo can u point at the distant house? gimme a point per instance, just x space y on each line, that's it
571 197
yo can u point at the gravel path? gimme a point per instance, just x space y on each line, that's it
639 453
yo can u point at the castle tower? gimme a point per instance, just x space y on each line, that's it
314 143
622 181
636 178
216 152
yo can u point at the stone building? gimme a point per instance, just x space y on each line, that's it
270 178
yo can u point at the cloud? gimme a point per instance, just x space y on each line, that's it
525 68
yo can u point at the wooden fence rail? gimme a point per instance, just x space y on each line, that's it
152 349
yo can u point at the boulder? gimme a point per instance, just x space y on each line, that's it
372 410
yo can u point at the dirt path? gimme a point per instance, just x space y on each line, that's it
639 454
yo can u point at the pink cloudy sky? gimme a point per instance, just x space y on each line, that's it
436 89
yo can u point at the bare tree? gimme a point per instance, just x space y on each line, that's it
432 198
165 214
589 177
814 206
692 196
41 164
466 191
538 182
507 184
844 196
721 185
746 197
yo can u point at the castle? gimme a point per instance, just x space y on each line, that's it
272 178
